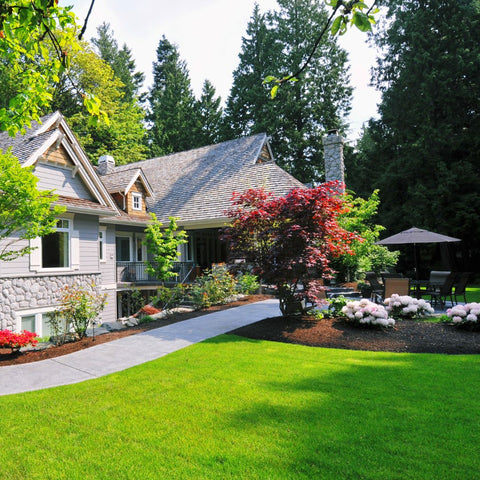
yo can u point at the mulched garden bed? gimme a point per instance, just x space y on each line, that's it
52 352
407 336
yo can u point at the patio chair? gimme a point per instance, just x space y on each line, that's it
443 291
400 286
460 286
377 287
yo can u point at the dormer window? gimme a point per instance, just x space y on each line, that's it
137 201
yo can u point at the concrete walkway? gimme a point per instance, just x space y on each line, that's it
129 351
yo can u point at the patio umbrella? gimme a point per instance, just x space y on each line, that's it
415 236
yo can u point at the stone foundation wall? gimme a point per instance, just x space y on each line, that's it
27 293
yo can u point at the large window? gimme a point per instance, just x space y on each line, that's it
56 246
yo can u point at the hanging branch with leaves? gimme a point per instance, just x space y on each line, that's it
344 13
37 40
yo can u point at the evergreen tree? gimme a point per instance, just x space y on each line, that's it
278 43
171 102
209 113
423 152
248 109
120 60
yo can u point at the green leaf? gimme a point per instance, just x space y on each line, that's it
273 91
270 79
336 25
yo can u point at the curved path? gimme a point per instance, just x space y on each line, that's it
129 351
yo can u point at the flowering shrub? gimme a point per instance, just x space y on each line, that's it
365 312
468 314
407 308
80 306
17 340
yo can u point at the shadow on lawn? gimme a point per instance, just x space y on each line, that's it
353 414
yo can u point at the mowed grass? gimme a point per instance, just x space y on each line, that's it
473 294
238 408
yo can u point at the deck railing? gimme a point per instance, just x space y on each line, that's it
135 272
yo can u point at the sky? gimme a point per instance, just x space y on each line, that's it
208 34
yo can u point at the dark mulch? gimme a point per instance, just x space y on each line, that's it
407 336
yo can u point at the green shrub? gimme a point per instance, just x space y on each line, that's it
214 287
335 307
247 283
145 319
169 297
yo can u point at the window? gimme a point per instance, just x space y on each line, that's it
56 246
137 201
102 234
37 322
123 249
139 242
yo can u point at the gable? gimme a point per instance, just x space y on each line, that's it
63 179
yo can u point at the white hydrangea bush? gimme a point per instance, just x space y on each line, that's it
365 312
406 307
468 314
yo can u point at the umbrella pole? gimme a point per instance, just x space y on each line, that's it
415 261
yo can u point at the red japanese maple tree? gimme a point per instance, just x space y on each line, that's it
289 240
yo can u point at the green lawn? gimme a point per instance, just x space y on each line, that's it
473 294
237 408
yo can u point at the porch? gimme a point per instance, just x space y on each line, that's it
135 272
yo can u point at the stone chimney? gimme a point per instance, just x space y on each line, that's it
106 165
333 154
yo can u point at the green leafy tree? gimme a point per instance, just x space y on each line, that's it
302 111
367 256
423 151
123 138
121 62
37 39
25 212
171 103
162 245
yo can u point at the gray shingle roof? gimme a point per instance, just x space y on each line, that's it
198 184
119 181
24 146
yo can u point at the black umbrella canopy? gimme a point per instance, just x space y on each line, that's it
416 235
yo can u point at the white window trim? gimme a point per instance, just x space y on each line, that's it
39 314
73 250
139 197
102 254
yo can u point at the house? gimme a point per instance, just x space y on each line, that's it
99 238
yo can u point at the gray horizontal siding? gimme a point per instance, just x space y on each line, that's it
60 180
108 268
87 227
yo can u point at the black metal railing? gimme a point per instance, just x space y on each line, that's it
135 272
